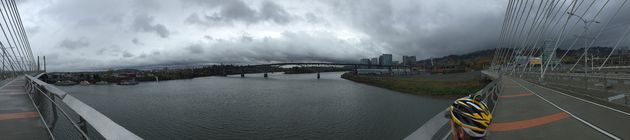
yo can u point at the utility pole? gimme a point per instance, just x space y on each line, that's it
3 68
585 66
587 23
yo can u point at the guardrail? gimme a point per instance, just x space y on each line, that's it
66 117
613 88
490 96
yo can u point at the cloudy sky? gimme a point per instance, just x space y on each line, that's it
103 34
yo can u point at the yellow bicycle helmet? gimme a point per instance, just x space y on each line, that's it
472 114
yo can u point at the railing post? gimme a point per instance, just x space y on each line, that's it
83 125
605 84
54 109
585 83
43 93
626 98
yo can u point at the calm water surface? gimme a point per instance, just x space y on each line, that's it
279 107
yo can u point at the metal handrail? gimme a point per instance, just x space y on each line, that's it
491 91
617 77
490 95
75 125
107 128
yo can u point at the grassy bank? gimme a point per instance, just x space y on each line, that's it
420 85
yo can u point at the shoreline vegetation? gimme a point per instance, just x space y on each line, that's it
438 85
122 75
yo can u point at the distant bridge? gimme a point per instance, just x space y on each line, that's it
331 64
266 68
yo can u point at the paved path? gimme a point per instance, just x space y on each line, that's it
529 111
18 118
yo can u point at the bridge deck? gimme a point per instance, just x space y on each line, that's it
18 117
529 111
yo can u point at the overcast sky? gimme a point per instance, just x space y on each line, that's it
103 34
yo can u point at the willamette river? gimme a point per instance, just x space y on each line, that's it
282 106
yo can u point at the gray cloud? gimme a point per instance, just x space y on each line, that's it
147 4
144 23
247 39
101 51
259 31
136 41
32 30
127 54
295 47
237 11
208 37
83 13
112 50
271 11
73 44
311 18
195 49
426 28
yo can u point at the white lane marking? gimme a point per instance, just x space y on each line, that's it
619 111
576 117
447 134
12 93
8 83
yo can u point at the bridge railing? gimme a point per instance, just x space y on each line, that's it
613 88
430 129
66 117
490 93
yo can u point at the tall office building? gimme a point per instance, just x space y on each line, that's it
374 61
385 59
409 60
364 61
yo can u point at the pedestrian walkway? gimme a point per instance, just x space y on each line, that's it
18 118
529 111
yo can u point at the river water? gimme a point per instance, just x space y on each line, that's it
297 106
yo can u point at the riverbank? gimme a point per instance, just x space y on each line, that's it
442 85
300 105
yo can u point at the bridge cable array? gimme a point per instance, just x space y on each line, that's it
17 56
534 31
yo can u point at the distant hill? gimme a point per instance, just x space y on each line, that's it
479 60
472 61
